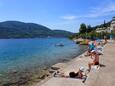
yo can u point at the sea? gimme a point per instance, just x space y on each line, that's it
36 53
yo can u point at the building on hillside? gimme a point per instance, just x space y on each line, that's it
98 30
112 26
108 29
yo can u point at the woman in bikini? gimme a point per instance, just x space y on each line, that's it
95 58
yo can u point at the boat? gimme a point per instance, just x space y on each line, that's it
60 45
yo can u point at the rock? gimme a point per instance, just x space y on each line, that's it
57 66
51 71
42 77
13 72
7 84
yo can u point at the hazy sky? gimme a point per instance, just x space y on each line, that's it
58 14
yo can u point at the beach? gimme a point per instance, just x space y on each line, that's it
72 65
45 77
104 76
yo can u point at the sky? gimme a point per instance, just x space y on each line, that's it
58 14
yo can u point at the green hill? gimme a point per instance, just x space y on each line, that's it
16 29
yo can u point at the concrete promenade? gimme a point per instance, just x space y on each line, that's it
104 76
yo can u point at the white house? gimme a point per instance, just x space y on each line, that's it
108 29
112 27
98 30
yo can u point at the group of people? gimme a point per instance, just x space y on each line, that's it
94 50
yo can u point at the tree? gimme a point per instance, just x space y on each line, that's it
89 28
104 25
83 28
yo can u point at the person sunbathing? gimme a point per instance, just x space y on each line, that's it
95 58
78 74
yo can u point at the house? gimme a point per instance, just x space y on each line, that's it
107 29
112 26
98 30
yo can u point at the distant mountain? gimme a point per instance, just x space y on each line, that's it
16 29
61 33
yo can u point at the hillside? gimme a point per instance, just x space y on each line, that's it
61 33
102 25
16 29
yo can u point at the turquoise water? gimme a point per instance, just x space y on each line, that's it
23 54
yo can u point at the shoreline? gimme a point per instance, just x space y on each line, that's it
92 77
59 67
46 74
28 78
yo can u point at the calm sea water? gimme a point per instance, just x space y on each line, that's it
21 54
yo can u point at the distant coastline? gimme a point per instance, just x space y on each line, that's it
16 29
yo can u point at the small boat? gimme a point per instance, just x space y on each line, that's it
61 45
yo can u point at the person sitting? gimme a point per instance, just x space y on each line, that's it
95 58
91 47
99 49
